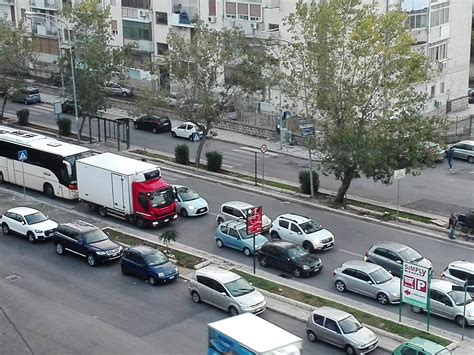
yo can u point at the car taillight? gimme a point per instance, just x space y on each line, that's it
334 272
72 187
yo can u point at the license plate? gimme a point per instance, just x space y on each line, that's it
171 277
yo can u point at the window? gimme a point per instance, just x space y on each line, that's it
206 281
363 276
136 30
381 252
295 228
273 27
255 12
459 274
161 48
113 24
143 201
332 325
417 20
409 351
393 256
243 11
212 8
233 233
350 272
317 319
432 91
137 4
283 224
439 52
161 18
225 229
439 14
230 9
441 88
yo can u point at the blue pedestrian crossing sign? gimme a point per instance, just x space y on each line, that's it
22 155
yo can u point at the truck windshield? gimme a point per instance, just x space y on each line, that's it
162 198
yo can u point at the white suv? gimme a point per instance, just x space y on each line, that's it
302 231
28 222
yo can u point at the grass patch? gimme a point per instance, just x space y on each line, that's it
153 155
392 214
315 301
183 259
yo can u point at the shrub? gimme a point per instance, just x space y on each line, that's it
181 154
305 184
64 125
23 116
214 161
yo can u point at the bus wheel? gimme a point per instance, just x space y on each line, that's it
48 190
2 179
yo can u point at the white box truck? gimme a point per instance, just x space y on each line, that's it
248 334
126 188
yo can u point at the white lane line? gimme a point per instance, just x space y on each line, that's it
240 152
349 252
227 166
258 151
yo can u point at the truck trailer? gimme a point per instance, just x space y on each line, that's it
126 188
248 334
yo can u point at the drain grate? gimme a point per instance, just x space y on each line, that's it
13 277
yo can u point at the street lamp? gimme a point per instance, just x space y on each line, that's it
31 14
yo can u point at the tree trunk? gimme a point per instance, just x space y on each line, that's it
3 106
197 160
346 182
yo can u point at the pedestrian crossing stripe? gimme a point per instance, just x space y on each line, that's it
257 150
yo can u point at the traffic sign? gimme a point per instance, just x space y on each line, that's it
399 174
263 148
254 220
22 155
415 285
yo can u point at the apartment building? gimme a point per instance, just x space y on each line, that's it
442 29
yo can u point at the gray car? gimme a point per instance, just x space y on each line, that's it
449 304
225 290
464 150
367 279
392 255
341 329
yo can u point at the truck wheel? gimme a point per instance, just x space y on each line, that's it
131 219
92 206
102 211
141 223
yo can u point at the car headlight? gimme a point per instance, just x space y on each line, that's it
100 252
161 274
395 294
120 248
243 306
38 231
306 267
191 207
176 269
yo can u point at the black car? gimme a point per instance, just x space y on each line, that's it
86 240
153 123
67 106
148 264
289 257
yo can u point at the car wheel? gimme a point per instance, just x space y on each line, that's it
59 249
247 252
25 102
48 190
461 321
470 159
102 211
416 309
263 261
296 272
124 94
154 130
91 260
31 237
308 246
173 134
5 229
124 271
340 286
233 311
349 349
219 243
195 297
191 137
274 235
382 298
2 179
152 281
311 336
135 125
183 212
220 220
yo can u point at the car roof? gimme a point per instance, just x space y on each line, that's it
235 224
426 345
23 210
470 142
80 225
442 285
294 217
237 204
143 249
462 265
361 265
332 313
392 245
218 274
281 243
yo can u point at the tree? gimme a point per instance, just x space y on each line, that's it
95 60
359 73
16 56
210 71
167 237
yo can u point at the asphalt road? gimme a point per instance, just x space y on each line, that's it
353 237
436 190
51 304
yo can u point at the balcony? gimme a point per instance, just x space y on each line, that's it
184 15
44 28
250 28
133 14
140 45
45 4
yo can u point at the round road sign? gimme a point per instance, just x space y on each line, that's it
263 148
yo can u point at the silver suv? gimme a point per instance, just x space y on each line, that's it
302 231
225 290
464 150
449 304
392 255
341 329
236 210
367 279
458 272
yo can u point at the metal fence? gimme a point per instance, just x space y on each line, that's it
460 128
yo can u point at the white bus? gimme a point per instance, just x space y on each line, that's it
50 166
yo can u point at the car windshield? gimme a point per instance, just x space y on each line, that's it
458 297
381 276
409 254
36 217
349 325
162 198
297 252
310 227
243 234
155 259
186 194
239 287
94 236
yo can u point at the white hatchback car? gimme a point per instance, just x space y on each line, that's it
28 222
187 130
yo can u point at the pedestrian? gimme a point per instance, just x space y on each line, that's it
450 156
453 222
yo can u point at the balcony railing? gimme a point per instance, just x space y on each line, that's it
141 15
140 45
6 2
45 4
184 16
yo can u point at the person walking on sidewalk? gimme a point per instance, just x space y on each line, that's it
453 222
450 156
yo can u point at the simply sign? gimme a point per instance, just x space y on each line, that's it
415 283
22 155
254 220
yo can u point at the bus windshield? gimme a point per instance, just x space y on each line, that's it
72 161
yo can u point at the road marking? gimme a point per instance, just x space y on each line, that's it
227 166
257 150
349 252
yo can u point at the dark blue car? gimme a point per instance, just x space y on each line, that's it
148 264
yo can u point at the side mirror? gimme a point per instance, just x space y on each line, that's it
370 282
23 222
224 294
399 261
108 234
